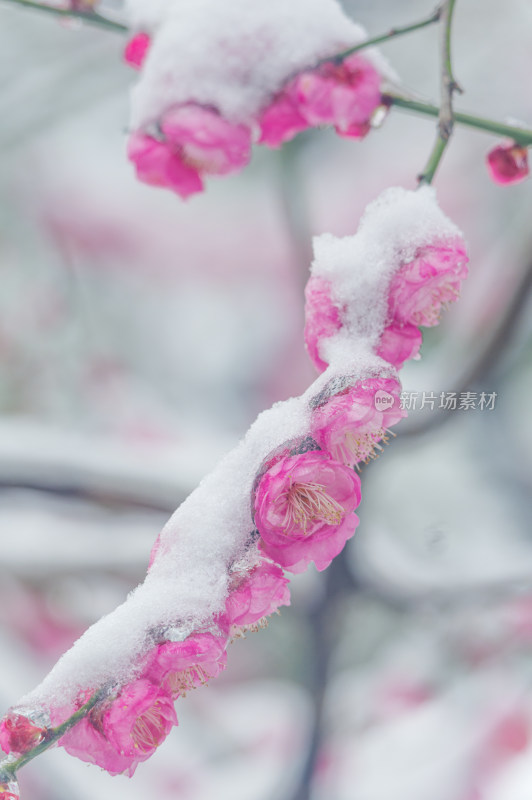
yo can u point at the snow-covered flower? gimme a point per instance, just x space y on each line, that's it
243 67
304 508
508 163
118 734
344 94
352 423
179 667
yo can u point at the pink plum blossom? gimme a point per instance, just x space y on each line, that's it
179 667
508 163
158 164
352 423
303 510
421 287
344 94
195 141
253 598
322 318
207 141
18 733
399 342
136 50
119 734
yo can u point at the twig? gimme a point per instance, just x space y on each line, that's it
522 136
448 87
383 37
86 16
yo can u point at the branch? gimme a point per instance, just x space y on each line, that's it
383 37
448 86
86 16
522 136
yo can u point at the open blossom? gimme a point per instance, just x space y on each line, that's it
256 596
322 318
304 508
136 50
18 733
344 94
194 141
179 667
352 423
432 279
508 163
125 731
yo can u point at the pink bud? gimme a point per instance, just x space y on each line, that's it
136 50
18 734
508 163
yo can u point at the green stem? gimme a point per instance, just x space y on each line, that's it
448 86
383 37
523 136
86 16
10 768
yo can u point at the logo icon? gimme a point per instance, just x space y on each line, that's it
383 400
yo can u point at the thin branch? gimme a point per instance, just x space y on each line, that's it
86 16
383 37
448 87
522 136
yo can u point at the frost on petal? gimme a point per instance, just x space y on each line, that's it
303 510
351 424
322 318
136 50
207 142
158 165
508 163
181 666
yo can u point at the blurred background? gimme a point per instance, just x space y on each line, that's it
139 338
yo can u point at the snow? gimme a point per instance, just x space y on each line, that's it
361 266
233 55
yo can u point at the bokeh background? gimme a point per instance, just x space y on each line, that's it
140 336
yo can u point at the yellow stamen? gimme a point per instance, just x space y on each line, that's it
309 502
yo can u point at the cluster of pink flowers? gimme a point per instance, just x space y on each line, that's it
420 288
192 140
127 727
